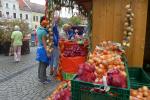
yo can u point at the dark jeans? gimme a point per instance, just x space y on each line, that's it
42 71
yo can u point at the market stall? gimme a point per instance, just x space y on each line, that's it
105 74
73 53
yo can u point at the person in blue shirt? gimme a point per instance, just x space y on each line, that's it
69 32
41 54
54 58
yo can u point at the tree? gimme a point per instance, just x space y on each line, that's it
61 22
75 20
7 27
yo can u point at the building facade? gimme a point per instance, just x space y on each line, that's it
37 12
9 9
26 16
36 19
22 10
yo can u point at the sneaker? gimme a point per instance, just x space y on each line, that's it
51 72
46 82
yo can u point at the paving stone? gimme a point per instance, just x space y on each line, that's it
19 81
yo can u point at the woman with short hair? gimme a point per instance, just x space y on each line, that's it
17 43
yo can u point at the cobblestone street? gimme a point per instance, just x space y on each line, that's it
19 81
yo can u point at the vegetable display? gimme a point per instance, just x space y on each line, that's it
142 93
74 50
62 92
86 73
128 26
106 61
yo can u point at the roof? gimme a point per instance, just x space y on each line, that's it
28 6
23 6
37 8
86 4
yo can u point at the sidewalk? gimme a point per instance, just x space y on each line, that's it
19 81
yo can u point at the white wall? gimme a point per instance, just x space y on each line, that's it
24 17
11 10
17 11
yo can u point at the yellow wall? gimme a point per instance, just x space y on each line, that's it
108 24
36 22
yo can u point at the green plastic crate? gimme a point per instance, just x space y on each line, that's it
138 78
67 76
148 73
81 91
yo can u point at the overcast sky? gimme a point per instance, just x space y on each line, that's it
38 1
64 11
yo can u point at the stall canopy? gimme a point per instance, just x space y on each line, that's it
86 4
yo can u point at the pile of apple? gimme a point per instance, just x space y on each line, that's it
62 92
106 61
142 93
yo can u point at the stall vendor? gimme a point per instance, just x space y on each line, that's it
69 32
54 58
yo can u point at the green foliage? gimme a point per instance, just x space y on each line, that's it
75 20
7 27
61 23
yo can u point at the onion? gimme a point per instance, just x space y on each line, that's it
102 57
105 62
131 98
139 97
133 93
90 56
99 70
96 80
128 6
126 24
145 99
102 66
110 66
123 73
140 90
145 88
122 67
96 74
90 61
140 94
148 98
145 94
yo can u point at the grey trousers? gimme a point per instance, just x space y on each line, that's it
42 71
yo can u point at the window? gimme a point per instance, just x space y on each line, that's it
0 3
14 7
20 16
0 13
33 18
7 5
26 16
14 15
37 18
7 13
